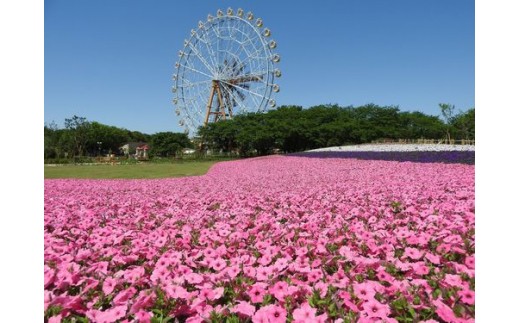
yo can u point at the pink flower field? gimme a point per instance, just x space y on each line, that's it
273 239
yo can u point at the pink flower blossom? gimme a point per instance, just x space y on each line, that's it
175 291
271 313
434 259
123 296
244 308
467 296
470 262
374 309
279 290
143 317
108 316
347 301
364 291
444 311
413 253
304 314
263 273
453 280
256 293
108 285
55 319
218 264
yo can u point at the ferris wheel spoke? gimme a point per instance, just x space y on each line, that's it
201 58
192 84
235 99
211 53
196 70
208 47
242 88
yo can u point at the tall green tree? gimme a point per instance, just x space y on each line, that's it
103 138
51 140
417 125
464 124
448 113
78 133
168 144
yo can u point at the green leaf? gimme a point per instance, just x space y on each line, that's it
411 311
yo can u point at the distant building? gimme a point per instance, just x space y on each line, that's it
188 151
141 152
130 149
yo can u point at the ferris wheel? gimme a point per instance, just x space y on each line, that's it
226 67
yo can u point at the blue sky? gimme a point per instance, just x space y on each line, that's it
112 61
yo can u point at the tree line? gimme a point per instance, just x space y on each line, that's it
292 128
83 138
286 129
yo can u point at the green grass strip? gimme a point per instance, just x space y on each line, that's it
144 170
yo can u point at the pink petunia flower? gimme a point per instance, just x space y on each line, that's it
347 253
270 314
194 278
233 271
470 262
55 319
175 291
304 314
364 291
322 288
256 293
207 294
244 308
143 316
420 268
434 259
123 296
144 300
108 285
281 263
321 318
413 253
262 273
453 280
218 264
112 315
314 275
444 311
279 290
382 275
375 309
261 316
276 314
467 296
347 301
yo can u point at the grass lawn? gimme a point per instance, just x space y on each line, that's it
144 170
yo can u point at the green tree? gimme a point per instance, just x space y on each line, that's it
417 125
447 112
51 140
464 124
168 144
78 134
109 137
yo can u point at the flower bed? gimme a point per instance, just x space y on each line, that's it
449 157
270 239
